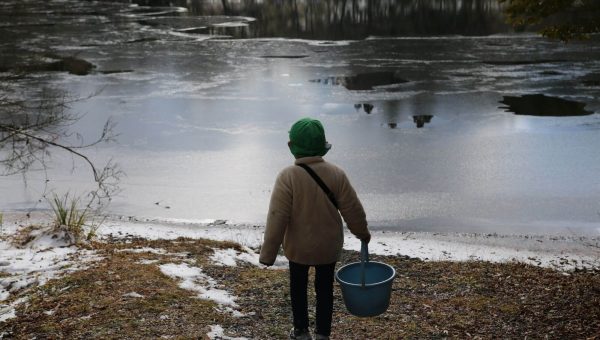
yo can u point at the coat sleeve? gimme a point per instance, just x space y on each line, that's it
352 210
278 218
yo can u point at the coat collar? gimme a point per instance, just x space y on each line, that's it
309 160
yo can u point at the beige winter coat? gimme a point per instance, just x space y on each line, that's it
302 218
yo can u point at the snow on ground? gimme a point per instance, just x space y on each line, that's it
559 252
158 251
8 311
192 278
46 256
225 257
216 332
168 230
551 252
49 255
230 257
133 295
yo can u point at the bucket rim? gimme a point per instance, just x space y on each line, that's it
337 277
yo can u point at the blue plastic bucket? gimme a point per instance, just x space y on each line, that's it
366 286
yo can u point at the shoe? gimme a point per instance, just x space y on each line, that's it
321 337
300 334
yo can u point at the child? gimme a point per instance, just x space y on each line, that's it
307 222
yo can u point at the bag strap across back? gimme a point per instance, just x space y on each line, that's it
320 182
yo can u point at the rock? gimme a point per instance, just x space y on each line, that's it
72 65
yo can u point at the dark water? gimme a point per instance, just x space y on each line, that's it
410 96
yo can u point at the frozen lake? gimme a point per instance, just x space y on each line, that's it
203 115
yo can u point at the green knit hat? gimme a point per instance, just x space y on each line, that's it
307 138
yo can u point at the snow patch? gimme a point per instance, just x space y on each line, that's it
229 257
158 251
48 255
225 257
133 295
147 261
234 313
217 332
8 311
192 278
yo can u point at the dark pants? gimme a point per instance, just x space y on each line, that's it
324 290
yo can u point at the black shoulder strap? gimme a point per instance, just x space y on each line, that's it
320 182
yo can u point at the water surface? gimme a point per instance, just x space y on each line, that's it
414 116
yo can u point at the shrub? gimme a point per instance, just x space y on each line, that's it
68 217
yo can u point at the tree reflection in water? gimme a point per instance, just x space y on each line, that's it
393 112
350 19
421 120
363 81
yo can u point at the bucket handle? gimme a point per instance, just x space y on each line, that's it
364 258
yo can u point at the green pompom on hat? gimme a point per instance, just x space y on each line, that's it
307 138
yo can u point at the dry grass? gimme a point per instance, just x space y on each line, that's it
91 303
429 300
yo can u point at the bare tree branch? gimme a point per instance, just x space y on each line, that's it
30 129
49 142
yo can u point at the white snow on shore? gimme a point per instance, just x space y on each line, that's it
558 252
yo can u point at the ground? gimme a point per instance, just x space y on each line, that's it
126 294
